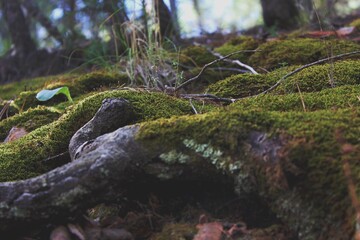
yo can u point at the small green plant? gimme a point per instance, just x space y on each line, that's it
45 95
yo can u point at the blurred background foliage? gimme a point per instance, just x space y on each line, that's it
104 30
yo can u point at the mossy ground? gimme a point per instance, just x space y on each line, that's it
280 53
312 79
22 158
305 186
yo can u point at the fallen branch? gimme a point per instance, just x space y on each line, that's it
237 62
306 66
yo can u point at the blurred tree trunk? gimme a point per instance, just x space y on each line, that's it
18 28
282 14
34 11
199 15
165 20
174 13
117 14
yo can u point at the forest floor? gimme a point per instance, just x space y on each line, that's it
272 135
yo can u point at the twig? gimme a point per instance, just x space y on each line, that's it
306 66
193 107
235 62
207 96
206 66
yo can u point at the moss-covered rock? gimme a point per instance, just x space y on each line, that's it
293 182
312 79
279 53
29 120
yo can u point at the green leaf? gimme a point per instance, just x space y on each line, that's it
45 95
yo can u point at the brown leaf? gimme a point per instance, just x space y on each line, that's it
15 133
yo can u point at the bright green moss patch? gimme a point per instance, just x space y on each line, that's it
279 53
356 23
30 120
12 90
324 76
312 79
22 158
245 85
333 98
78 85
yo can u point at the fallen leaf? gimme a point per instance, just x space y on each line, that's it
15 133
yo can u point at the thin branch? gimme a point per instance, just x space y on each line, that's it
207 96
306 66
193 107
208 65
235 62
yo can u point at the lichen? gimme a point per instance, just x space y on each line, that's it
173 157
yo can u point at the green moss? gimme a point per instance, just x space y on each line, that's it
311 153
30 120
245 85
78 86
312 79
238 44
22 158
333 98
279 53
356 23
195 56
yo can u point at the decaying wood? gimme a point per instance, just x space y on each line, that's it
113 114
102 173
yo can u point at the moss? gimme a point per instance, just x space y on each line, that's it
310 153
22 158
356 23
30 120
238 44
312 79
179 231
245 85
279 53
78 85
195 56
333 98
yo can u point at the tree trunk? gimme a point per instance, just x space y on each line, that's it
282 14
165 20
18 28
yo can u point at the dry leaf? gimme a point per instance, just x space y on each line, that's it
15 133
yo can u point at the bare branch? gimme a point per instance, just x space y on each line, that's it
235 62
